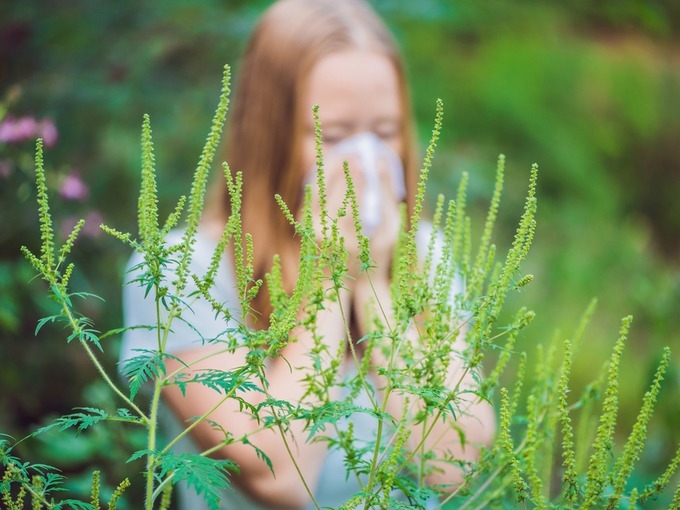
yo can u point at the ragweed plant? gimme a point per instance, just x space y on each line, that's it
434 339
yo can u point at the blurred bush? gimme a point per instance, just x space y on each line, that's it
590 91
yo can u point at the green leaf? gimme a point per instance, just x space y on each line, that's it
209 477
45 320
74 503
260 454
140 369
330 414
124 413
219 380
112 332
82 421
91 336
138 455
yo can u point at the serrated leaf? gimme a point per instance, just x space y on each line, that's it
84 295
81 420
330 414
143 368
45 320
91 336
138 455
51 479
221 381
124 413
75 504
209 477
260 455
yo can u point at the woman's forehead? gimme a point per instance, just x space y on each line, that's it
353 83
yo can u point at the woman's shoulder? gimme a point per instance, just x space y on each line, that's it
198 317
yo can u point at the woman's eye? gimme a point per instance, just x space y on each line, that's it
334 135
387 135
331 139
387 132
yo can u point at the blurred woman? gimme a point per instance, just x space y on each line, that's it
339 55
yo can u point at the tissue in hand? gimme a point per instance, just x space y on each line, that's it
371 155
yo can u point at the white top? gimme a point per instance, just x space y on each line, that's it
334 487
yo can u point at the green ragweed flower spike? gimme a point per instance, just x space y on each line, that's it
148 196
508 449
479 269
200 180
664 480
320 174
46 229
118 493
602 445
408 256
96 486
570 477
633 447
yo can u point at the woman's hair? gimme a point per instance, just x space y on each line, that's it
267 120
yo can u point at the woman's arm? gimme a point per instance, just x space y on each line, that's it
285 375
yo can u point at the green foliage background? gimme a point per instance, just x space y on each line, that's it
589 91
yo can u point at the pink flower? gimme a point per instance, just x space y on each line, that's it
17 130
91 228
73 188
47 130
13 130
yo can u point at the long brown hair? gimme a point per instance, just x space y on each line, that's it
266 123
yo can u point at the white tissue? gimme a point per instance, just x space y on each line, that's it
371 152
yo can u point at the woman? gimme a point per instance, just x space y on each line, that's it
339 55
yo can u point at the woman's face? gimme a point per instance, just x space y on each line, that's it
357 91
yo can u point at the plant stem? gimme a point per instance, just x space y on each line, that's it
482 489
151 444
111 384
390 366
90 353
155 402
